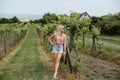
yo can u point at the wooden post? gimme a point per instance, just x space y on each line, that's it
5 42
67 58
93 42
83 40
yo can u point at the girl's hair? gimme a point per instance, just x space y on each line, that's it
58 32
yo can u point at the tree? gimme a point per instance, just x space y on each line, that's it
109 24
49 18
85 29
74 26
15 19
11 20
95 32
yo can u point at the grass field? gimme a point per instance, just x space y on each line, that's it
26 63
110 44
32 61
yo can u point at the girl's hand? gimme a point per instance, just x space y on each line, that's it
52 43
64 53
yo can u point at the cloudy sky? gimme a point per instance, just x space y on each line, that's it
39 7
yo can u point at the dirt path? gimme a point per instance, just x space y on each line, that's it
97 69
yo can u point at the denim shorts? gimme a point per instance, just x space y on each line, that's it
57 48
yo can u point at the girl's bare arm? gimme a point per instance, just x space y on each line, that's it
50 38
65 43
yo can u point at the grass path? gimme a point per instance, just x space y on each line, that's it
26 63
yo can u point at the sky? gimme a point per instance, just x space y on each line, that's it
40 7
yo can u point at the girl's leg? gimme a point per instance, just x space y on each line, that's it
57 61
55 57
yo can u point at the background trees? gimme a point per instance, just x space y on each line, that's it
11 20
109 24
74 26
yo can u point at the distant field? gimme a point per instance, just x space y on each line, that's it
111 39
110 43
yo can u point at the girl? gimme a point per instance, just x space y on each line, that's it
58 42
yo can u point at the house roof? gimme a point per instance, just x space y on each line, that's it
85 13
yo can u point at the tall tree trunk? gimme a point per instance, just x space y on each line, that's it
5 46
1 37
72 35
93 42
71 44
83 40
67 57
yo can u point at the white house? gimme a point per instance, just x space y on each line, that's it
84 15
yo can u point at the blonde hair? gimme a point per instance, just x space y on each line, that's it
58 32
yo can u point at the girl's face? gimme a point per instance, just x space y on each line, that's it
62 29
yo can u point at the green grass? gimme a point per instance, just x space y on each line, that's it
111 44
26 63
110 39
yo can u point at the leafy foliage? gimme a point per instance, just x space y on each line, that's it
74 26
77 65
11 20
95 31
109 24
16 28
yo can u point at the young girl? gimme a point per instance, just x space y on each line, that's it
58 42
